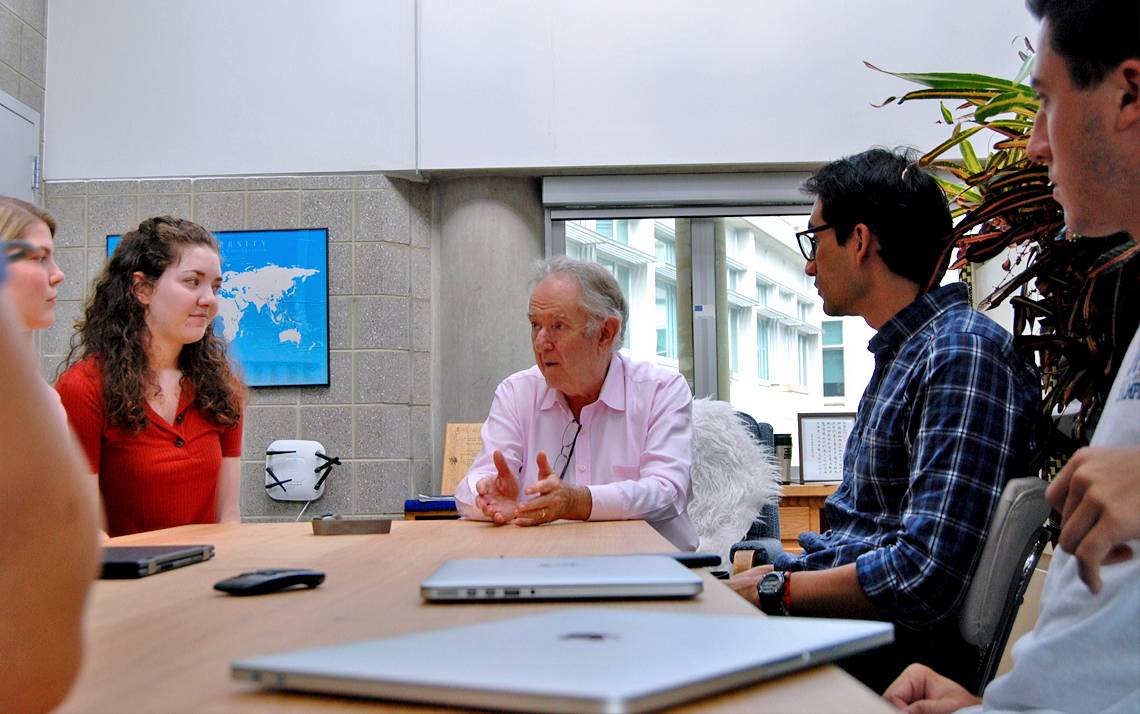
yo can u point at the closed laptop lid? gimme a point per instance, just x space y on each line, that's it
561 577
571 660
136 561
135 553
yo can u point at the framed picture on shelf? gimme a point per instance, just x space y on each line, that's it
823 438
273 306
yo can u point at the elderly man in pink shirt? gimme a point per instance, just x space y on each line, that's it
587 433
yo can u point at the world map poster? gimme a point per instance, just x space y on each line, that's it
273 306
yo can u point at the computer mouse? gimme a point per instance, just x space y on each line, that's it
261 582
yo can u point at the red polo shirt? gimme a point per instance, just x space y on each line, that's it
163 476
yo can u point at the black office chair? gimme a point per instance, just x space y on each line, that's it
1016 536
763 536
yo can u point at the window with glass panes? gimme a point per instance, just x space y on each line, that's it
622 273
768 316
666 304
763 339
833 377
804 345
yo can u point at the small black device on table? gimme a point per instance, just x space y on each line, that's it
261 582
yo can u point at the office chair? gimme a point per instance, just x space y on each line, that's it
763 536
1016 536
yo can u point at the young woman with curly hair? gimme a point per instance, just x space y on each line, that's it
148 388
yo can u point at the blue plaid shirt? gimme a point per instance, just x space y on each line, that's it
948 417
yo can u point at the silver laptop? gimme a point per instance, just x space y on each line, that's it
570 660
599 576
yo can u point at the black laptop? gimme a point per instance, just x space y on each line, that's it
139 561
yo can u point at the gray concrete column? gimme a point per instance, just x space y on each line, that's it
489 233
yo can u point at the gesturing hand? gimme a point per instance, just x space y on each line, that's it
1098 496
553 499
499 494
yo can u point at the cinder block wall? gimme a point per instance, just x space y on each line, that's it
376 413
22 42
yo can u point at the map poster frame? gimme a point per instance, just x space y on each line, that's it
822 440
261 361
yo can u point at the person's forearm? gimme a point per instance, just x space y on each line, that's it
229 491
581 503
649 497
48 540
834 592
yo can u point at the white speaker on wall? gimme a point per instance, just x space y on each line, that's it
296 470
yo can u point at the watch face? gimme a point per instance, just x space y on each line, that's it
771 583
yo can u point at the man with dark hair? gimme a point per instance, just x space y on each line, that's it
1084 651
947 418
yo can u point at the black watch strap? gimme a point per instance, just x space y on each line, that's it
770 590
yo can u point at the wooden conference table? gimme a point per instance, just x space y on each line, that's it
164 643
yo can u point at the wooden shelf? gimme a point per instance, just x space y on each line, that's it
801 509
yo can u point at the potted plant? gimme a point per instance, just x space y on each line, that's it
1073 298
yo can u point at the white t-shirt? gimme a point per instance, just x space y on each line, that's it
1084 653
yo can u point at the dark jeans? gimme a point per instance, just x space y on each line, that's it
940 647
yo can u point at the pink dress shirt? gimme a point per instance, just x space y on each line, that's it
633 452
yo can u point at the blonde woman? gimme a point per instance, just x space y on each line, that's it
33 276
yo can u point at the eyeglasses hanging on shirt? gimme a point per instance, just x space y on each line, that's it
569 440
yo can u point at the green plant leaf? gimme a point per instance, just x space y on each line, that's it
946 115
1008 103
969 158
972 97
1028 60
957 137
1008 206
955 80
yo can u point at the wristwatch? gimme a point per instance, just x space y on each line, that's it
772 589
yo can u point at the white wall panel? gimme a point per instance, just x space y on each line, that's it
140 88
563 83
143 88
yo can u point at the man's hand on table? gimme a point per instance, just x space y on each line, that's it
744 583
552 499
921 690
498 496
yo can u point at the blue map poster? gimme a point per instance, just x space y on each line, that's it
273 307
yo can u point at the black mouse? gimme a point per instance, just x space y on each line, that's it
260 582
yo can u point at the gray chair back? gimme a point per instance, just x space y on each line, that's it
763 536
1016 536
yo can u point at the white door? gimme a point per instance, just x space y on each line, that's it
19 132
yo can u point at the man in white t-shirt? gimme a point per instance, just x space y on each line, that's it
1084 652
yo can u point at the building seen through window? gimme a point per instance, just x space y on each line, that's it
776 355
833 358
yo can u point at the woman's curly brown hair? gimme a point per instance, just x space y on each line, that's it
113 330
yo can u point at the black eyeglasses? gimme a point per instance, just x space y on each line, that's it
567 451
20 250
808 240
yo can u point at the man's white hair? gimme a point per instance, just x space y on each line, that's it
601 294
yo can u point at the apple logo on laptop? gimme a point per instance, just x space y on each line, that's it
589 636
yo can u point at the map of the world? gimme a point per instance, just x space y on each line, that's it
273 304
